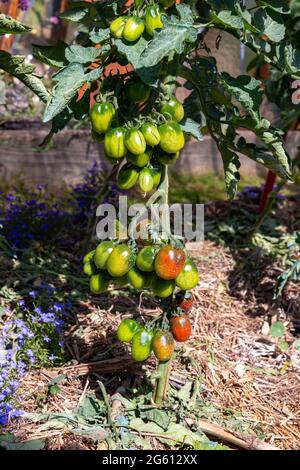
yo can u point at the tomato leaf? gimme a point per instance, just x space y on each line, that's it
9 25
15 66
159 417
172 38
231 169
277 330
189 126
269 23
55 55
281 6
259 155
247 90
99 35
81 55
77 14
70 79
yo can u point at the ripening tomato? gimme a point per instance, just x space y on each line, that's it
114 144
117 26
146 182
99 282
89 268
127 329
171 137
161 287
151 134
141 232
101 116
153 18
167 158
139 160
181 328
146 258
169 262
185 301
163 345
173 109
166 3
127 176
133 29
137 91
141 345
188 277
102 253
120 261
135 141
88 256
137 279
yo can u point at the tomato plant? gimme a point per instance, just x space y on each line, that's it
145 125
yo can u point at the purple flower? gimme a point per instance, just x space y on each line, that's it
23 5
54 20
47 339
52 357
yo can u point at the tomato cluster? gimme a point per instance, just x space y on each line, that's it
159 267
146 146
161 342
131 27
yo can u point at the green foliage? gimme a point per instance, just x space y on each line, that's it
219 103
9 25
15 66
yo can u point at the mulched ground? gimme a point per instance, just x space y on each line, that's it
243 372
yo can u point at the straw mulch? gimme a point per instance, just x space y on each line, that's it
241 367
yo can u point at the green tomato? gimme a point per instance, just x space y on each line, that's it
173 108
133 29
120 261
114 145
101 116
156 173
89 268
146 258
135 141
141 345
103 250
99 282
188 277
137 279
151 134
153 19
161 287
139 160
117 27
171 137
167 158
137 91
146 182
166 3
88 256
127 176
127 329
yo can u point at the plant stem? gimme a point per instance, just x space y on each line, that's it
162 383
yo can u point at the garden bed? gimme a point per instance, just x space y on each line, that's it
235 379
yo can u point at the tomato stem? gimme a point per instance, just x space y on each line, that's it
162 383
